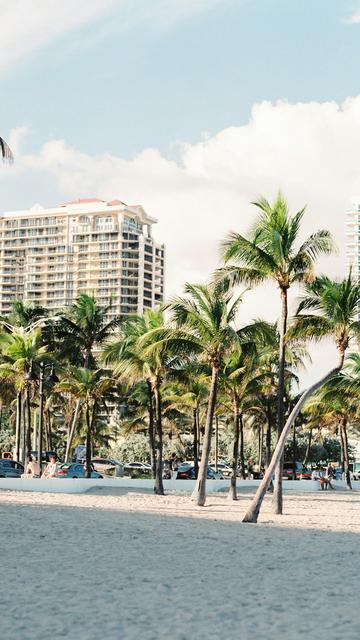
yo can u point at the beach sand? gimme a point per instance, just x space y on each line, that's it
118 564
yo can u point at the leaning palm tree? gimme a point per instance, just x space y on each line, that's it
334 306
5 151
272 252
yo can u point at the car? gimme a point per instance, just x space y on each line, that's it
10 468
142 466
187 472
223 468
108 465
74 470
301 472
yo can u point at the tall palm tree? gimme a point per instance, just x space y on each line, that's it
91 387
335 306
84 327
240 381
132 363
205 325
190 395
5 151
20 349
272 252
24 313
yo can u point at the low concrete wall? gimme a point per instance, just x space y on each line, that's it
81 485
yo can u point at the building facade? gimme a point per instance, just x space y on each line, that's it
49 256
353 238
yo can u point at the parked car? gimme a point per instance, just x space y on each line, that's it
10 468
75 470
142 466
223 468
106 465
187 472
302 473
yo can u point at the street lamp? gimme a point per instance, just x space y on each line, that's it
52 378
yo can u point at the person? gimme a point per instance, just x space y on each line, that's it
330 475
315 475
50 469
32 469
174 464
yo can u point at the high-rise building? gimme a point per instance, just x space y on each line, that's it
353 238
49 256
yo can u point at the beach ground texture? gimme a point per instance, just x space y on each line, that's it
126 565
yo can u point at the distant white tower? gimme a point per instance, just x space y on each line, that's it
353 238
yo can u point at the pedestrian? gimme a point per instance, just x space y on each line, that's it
51 468
32 469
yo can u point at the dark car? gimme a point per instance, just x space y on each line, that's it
302 473
74 470
10 469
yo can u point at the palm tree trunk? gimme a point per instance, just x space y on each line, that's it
151 430
18 425
242 455
28 427
260 452
23 435
158 487
232 488
199 493
345 441
195 441
72 430
48 428
88 442
278 497
268 433
255 506
308 448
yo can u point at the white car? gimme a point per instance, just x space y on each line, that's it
223 468
142 466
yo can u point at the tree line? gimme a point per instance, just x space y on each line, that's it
194 359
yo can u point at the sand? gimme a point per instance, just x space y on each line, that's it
125 565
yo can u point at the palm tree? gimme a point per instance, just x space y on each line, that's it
84 327
271 252
20 350
335 307
23 313
240 380
190 395
205 325
5 151
91 387
132 364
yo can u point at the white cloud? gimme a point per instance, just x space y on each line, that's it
28 25
354 18
310 151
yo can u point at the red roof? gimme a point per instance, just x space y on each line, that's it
114 202
82 201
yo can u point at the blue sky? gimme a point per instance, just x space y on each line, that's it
108 87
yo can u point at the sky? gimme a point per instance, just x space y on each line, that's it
192 108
